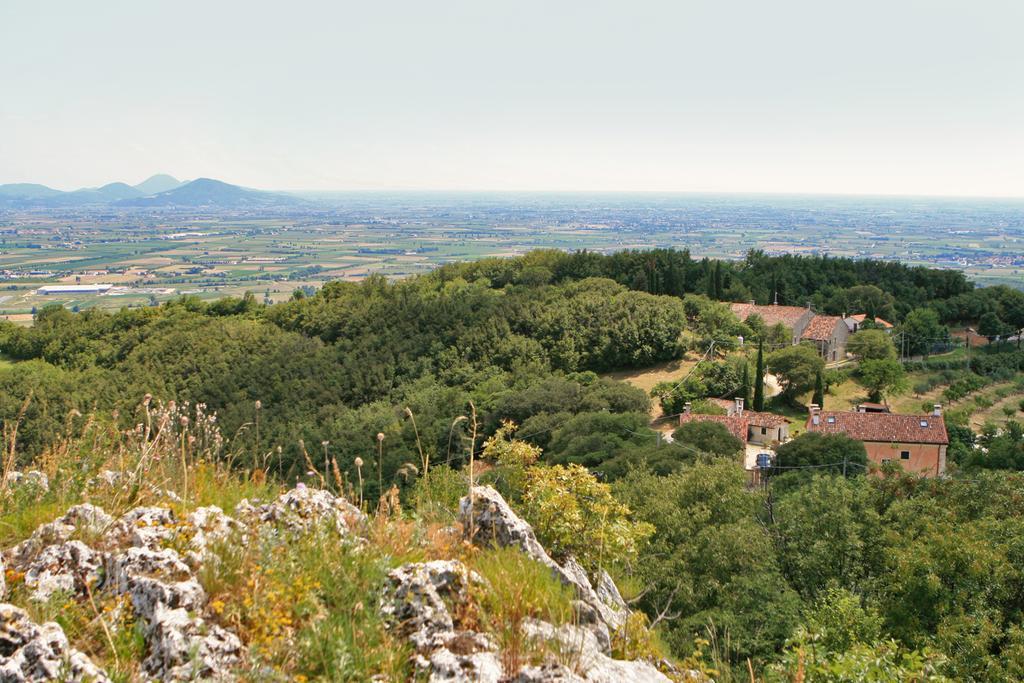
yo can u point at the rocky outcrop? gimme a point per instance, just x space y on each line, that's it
495 523
34 652
301 508
420 602
423 602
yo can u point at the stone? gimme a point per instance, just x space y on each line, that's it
478 667
33 478
206 526
80 520
183 648
32 652
303 507
142 527
65 568
417 596
587 659
496 523
153 579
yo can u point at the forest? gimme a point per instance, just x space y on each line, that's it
501 364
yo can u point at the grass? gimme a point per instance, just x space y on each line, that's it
305 608
647 378
5 362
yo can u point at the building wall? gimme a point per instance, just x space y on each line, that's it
771 435
927 459
837 342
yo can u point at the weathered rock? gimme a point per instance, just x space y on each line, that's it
32 652
588 660
302 507
417 597
33 478
206 526
494 522
66 568
142 527
478 667
80 520
153 579
185 648
547 673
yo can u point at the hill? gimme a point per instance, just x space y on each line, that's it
213 193
27 191
156 191
155 184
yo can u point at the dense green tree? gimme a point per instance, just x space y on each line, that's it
712 438
871 345
882 377
818 450
796 367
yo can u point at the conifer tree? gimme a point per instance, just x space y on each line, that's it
819 390
759 378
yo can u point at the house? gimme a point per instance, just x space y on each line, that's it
855 322
793 317
917 442
828 333
749 426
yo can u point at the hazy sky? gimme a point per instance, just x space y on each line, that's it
893 96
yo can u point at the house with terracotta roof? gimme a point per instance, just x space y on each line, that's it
793 317
749 426
916 442
828 334
856 322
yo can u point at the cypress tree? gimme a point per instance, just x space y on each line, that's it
759 378
745 384
819 390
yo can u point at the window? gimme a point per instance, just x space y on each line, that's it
886 460
904 455
763 431
924 423
831 419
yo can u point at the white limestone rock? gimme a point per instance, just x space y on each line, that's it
65 568
30 652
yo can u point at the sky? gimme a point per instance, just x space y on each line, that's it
869 97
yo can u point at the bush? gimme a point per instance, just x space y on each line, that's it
574 514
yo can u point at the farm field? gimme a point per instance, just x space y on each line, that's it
153 256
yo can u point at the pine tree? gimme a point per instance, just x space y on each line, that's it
819 390
759 379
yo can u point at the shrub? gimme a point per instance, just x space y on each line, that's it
574 514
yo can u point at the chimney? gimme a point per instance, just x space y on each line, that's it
814 409
687 407
861 409
752 302
937 410
739 406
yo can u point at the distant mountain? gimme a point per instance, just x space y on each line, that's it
110 192
213 193
161 182
158 191
27 191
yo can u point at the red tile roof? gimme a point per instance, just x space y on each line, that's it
772 315
737 426
821 327
861 317
770 420
883 427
